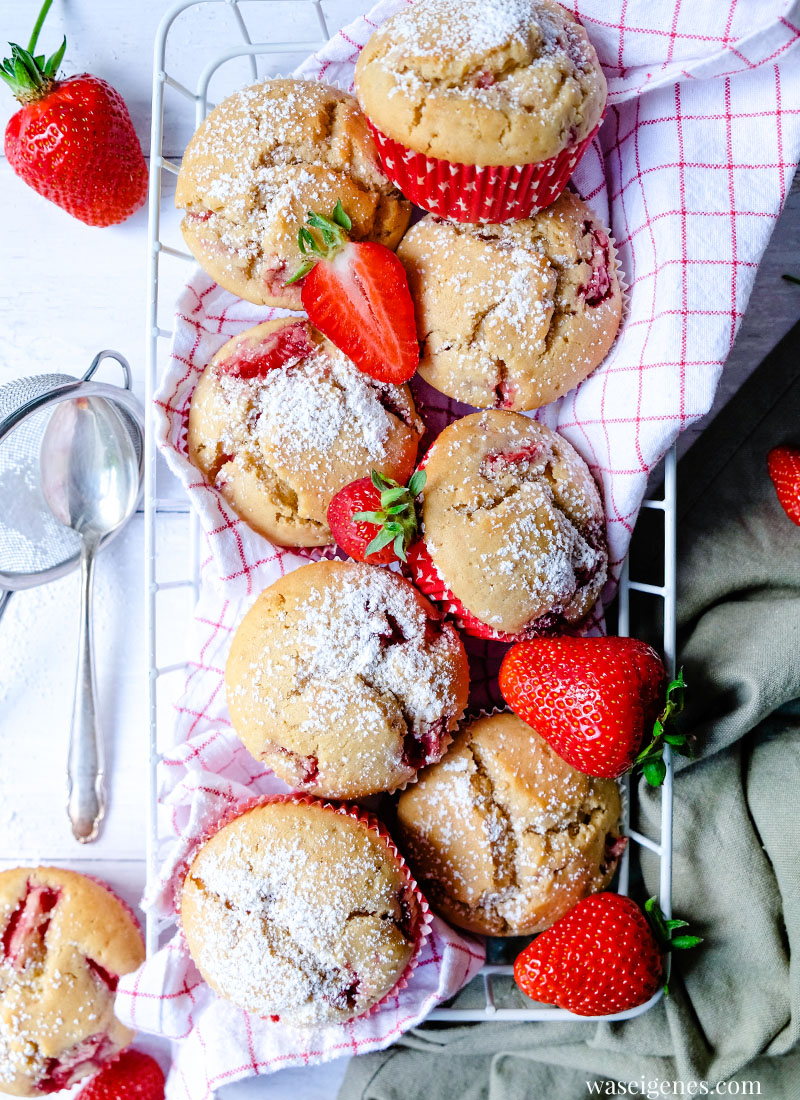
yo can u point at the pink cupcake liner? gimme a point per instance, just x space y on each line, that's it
475 193
421 931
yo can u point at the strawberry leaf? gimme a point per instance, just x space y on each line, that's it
663 929
340 218
29 75
397 517
653 767
383 538
381 482
684 943
417 482
54 61
389 496
655 772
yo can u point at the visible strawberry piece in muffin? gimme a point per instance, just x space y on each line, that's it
600 286
496 463
26 930
426 746
105 976
277 349
90 1053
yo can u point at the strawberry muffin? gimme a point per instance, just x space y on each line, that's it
503 835
260 161
513 531
513 316
66 940
344 680
301 912
280 420
481 108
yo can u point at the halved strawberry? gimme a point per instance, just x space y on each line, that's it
374 519
277 348
356 293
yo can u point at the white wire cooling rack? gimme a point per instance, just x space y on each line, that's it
228 43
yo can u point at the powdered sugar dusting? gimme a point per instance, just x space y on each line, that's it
503 834
301 913
352 673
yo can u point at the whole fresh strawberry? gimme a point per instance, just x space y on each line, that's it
73 140
594 700
356 293
374 519
600 958
783 464
131 1076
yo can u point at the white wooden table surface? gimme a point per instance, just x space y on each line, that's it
67 291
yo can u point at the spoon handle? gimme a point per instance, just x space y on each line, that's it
86 793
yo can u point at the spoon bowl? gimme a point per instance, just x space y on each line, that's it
90 476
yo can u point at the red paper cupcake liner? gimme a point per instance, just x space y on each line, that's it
429 580
422 929
474 193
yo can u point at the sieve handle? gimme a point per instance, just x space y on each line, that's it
85 786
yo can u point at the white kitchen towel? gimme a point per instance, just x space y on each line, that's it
690 170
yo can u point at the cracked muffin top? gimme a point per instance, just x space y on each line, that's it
345 680
503 835
260 161
513 522
513 316
486 82
300 912
280 420
66 939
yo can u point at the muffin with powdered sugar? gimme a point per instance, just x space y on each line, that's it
261 160
66 939
302 912
513 531
503 835
280 420
344 680
481 108
513 316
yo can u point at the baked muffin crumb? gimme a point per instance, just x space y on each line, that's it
503 835
344 680
301 913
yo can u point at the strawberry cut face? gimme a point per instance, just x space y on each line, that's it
24 935
277 349
360 300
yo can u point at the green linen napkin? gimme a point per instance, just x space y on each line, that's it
733 1012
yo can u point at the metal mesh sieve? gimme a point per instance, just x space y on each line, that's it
34 546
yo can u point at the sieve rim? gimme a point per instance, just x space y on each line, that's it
79 387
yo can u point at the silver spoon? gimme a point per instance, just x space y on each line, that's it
90 480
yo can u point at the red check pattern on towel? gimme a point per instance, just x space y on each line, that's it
690 170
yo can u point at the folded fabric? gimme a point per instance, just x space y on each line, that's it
734 1003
